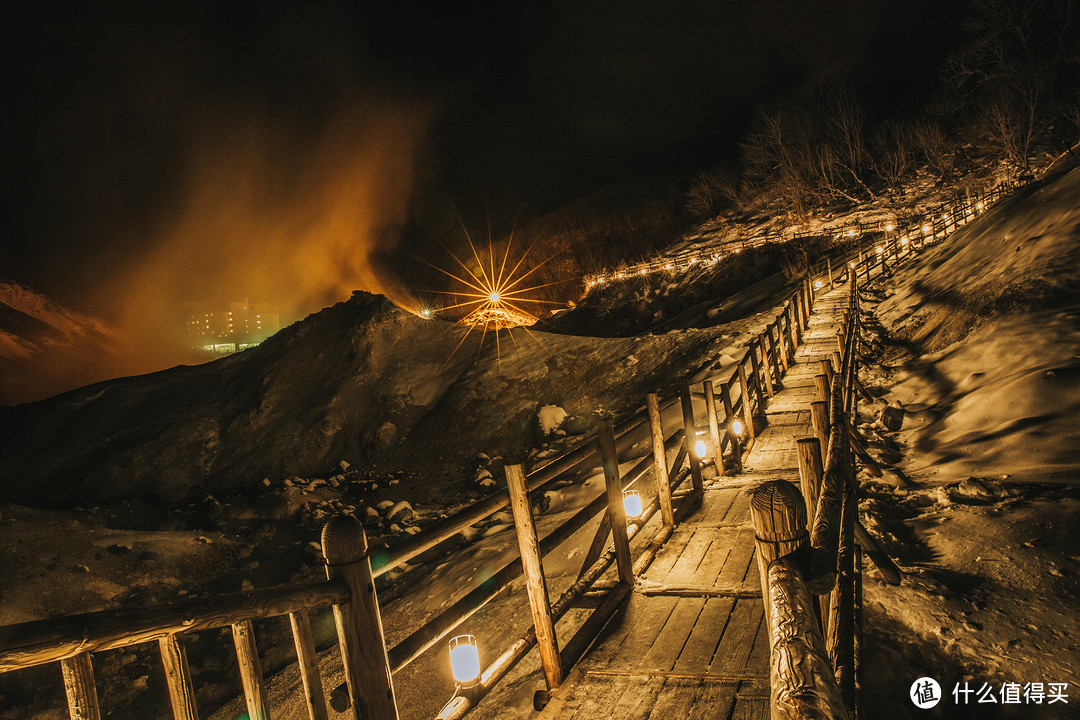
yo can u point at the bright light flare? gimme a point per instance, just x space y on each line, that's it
632 503
494 291
817 284
465 660
736 427
700 450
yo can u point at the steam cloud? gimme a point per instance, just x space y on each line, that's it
273 219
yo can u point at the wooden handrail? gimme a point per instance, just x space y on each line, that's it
43 641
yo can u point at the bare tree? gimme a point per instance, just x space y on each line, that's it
893 157
1010 72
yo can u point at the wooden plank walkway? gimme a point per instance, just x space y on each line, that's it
691 640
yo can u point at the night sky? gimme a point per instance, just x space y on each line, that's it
133 127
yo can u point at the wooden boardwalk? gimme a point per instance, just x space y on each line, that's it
691 640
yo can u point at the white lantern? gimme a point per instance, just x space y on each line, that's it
736 427
465 660
700 449
631 503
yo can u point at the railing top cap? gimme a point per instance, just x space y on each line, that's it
344 540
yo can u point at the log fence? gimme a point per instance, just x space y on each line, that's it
829 526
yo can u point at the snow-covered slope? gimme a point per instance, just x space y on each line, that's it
979 343
362 381
46 348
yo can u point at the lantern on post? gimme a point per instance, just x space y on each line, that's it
465 661
700 448
632 503
736 427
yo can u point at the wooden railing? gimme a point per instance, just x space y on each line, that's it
743 390
732 399
809 538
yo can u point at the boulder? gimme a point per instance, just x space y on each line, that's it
892 416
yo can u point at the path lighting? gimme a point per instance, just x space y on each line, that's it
817 284
890 227
926 229
878 250
631 501
851 264
978 206
465 660
736 427
903 241
699 448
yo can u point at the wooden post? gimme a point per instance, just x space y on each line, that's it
748 417
535 582
663 484
714 429
811 472
82 697
826 367
729 417
841 638
819 418
828 267
247 656
840 339
359 624
308 660
789 335
774 364
779 516
690 436
759 373
778 347
606 439
795 320
821 387
178 677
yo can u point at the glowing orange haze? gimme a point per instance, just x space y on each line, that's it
293 224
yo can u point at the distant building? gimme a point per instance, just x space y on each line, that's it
239 325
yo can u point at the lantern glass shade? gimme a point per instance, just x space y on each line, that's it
631 503
465 660
700 449
817 283
736 427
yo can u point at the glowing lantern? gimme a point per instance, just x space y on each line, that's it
465 660
850 233
494 297
978 206
890 227
736 427
903 241
878 250
700 449
817 284
925 229
631 503
643 271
